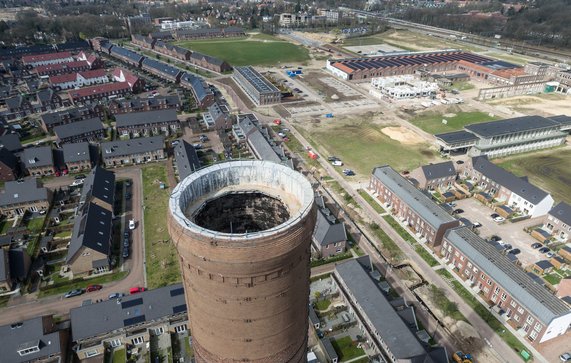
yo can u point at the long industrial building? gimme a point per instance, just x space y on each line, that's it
243 232
256 86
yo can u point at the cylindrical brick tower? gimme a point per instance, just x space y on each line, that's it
243 232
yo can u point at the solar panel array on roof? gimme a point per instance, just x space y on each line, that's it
131 303
176 292
179 309
134 320
261 84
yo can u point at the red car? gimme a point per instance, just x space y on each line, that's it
92 288
136 290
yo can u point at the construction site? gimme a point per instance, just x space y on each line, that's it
402 87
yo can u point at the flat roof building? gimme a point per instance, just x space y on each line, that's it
256 86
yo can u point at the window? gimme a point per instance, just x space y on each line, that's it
529 319
483 277
115 343
516 317
538 327
513 303
91 353
533 335
159 330
497 289
462 258
30 350
520 310
180 328
469 264
504 296
489 282
137 341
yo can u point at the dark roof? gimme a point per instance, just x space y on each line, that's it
92 229
11 142
537 300
207 58
145 118
440 170
200 88
78 128
329 350
563 120
126 53
510 126
28 190
4 265
516 185
99 184
97 319
39 156
187 160
313 316
71 113
328 230
544 264
131 147
400 340
161 67
8 158
259 82
14 101
73 45
29 333
74 152
456 136
139 103
562 211
45 95
20 263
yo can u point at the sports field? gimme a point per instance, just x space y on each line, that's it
432 122
257 49
548 170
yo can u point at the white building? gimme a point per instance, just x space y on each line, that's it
402 87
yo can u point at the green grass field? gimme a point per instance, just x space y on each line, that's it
363 146
160 254
346 348
548 170
259 49
432 122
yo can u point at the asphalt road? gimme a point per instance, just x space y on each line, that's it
29 306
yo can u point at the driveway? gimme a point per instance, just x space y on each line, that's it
511 233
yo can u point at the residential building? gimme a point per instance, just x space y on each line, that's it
137 124
541 267
186 159
329 237
162 70
77 156
409 205
558 222
19 106
506 137
9 168
515 192
256 86
172 50
93 60
48 99
49 58
89 251
38 161
60 68
293 20
218 117
80 79
143 41
127 56
440 176
99 92
200 90
145 104
53 119
529 308
85 130
18 197
384 331
38 339
135 83
5 278
136 151
128 322
11 142
565 252
99 188
210 63
208 33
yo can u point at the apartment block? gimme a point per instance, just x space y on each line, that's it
17 197
135 151
143 124
256 86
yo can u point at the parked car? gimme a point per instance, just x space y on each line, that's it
494 215
116 295
451 204
495 238
476 224
128 196
131 224
136 290
125 252
549 254
536 245
332 158
73 293
565 357
499 219
544 249
337 163
92 288
458 211
515 251
348 172
126 234
126 242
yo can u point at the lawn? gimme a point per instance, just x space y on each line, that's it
322 305
251 51
346 348
63 234
119 356
376 206
160 254
548 170
35 225
389 247
363 146
553 279
5 226
447 307
431 122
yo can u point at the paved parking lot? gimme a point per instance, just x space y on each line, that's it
511 233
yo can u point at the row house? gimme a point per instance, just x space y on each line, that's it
425 218
126 55
218 117
18 197
210 63
38 161
200 90
128 323
78 156
558 222
529 308
143 41
130 152
162 70
208 33
440 176
99 188
9 166
43 59
60 68
100 44
384 330
19 105
186 159
136 84
329 236
80 79
85 130
137 124
98 92
515 192
91 59
145 104
47 99
173 50
50 120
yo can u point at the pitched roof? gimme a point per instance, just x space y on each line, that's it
131 147
161 67
562 211
97 319
45 57
99 89
537 300
99 184
46 95
75 152
29 333
11 142
516 185
8 158
206 58
327 229
78 128
439 170
57 67
29 190
187 160
198 85
145 118
4 265
510 126
126 53
544 264
122 75
92 229
416 200
39 156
